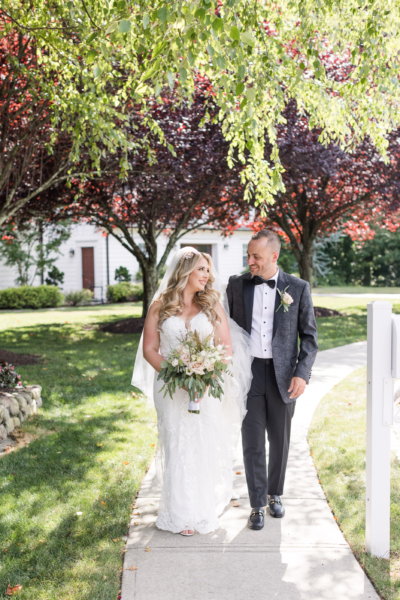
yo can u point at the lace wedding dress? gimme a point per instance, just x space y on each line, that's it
194 456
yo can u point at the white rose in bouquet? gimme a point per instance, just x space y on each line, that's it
208 364
184 355
197 367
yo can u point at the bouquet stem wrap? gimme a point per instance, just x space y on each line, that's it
194 407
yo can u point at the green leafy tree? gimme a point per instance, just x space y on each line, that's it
122 274
50 111
325 186
54 276
257 56
371 261
26 249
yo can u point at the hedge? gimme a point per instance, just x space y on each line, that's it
26 296
124 291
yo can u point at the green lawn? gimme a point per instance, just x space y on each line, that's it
348 328
87 430
94 443
337 440
356 289
76 314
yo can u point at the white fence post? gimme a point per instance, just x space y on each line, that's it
379 419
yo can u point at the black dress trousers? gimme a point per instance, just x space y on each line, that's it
266 412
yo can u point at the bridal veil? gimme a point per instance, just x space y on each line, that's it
236 387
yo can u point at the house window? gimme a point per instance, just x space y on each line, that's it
245 255
207 248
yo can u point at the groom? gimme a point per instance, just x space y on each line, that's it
275 321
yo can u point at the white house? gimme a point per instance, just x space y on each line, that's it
89 258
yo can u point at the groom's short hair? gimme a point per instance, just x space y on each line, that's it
270 236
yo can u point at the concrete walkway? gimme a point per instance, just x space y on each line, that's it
303 556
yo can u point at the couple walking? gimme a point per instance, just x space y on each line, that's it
267 314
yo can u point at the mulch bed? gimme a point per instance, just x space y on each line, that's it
135 325
131 325
19 359
319 311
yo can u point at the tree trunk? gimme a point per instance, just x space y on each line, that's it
41 257
306 264
150 283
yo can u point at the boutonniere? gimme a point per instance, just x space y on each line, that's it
286 299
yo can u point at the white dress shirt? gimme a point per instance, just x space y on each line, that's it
263 319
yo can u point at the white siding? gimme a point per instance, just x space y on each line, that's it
227 255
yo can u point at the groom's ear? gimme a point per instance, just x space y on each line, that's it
275 256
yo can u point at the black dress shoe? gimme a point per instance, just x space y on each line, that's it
276 508
256 518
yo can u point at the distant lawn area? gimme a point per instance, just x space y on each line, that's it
66 497
69 314
355 289
337 439
346 329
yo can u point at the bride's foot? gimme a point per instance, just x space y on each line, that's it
187 532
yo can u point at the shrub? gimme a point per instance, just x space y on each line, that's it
78 298
122 274
124 292
26 296
8 377
54 276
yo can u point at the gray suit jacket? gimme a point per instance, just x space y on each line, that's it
297 323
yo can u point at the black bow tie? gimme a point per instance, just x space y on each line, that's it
259 280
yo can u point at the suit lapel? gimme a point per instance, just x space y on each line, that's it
281 284
248 299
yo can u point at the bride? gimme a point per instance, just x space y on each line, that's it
194 454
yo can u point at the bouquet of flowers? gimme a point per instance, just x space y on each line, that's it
195 365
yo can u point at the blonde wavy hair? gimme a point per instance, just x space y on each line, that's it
172 299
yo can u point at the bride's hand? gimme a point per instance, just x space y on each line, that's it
199 399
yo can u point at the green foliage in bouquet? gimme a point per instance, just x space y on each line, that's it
195 365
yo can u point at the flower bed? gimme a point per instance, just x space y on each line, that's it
16 406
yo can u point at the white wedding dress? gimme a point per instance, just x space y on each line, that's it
194 456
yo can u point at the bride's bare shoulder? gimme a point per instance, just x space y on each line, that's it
154 310
219 309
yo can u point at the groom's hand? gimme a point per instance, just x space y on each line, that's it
297 387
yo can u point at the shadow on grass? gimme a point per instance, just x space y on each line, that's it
62 474
110 356
92 465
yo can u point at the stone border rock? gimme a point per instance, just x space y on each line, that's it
16 406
